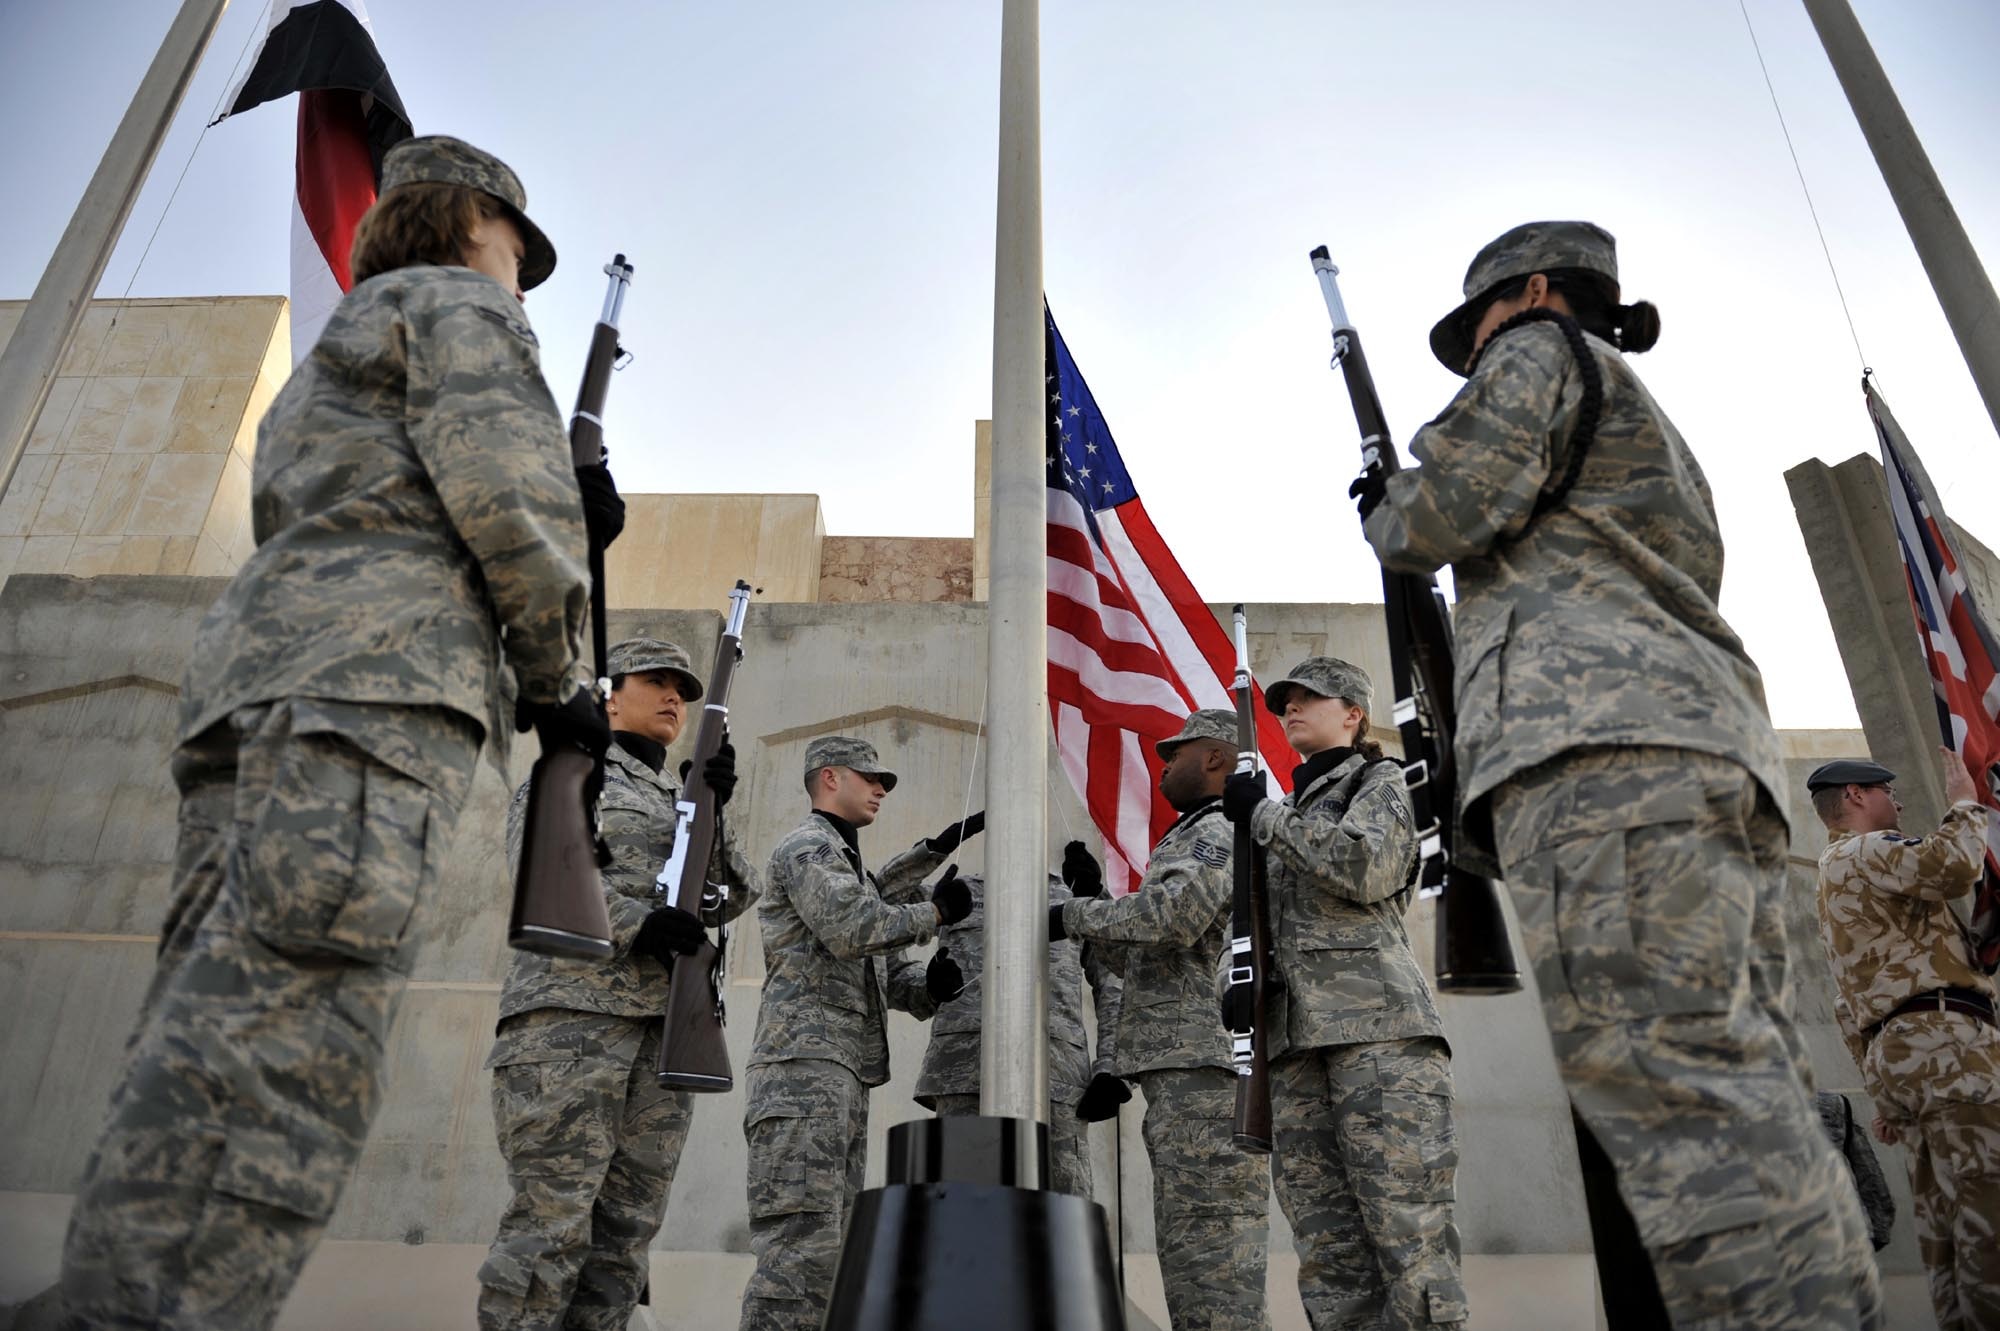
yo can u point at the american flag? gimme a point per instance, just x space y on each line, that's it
1958 649
1132 648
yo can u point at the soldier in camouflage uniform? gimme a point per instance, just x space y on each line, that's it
1615 756
1918 1015
1211 1202
1361 1103
821 1038
949 1081
419 530
591 1137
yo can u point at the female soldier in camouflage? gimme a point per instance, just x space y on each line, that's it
413 499
1616 759
1365 1153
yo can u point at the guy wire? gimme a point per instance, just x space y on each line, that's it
1803 188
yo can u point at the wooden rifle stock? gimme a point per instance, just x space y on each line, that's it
1250 939
559 905
1474 955
693 1053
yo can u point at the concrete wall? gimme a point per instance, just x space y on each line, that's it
89 670
689 550
141 460
895 568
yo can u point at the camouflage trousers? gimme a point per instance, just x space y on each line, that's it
591 1141
1936 1075
1211 1202
1069 1140
1650 885
256 1066
1366 1162
807 1124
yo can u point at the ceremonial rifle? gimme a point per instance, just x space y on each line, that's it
1473 953
693 1054
559 905
1250 938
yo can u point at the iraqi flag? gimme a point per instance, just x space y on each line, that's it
349 116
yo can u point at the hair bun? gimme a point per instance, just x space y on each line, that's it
1638 326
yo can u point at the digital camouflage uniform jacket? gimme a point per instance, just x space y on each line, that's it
637 816
1596 622
1338 856
412 497
824 922
1885 913
951 1059
1166 939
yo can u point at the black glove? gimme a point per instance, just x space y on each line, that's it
603 510
1241 794
1368 490
719 772
952 897
580 722
945 842
1101 1098
668 932
1081 871
943 977
1056 930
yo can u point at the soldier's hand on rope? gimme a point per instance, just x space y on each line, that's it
1885 1132
943 978
952 897
1080 870
945 842
1102 1097
1958 783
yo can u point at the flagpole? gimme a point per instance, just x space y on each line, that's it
1957 276
28 365
1013 1061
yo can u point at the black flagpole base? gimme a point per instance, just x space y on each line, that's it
959 1241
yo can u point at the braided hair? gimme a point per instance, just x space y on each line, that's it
1588 410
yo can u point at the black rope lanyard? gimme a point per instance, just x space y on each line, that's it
1587 412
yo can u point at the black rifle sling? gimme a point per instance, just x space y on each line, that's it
1588 411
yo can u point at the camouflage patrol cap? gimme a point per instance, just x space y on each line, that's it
846 751
1532 247
635 656
1328 676
1848 772
1208 723
443 160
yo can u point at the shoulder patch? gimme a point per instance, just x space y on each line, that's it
518 327
1212 854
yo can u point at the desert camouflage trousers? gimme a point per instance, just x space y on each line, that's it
591 1141
807 1125
1211 1202
1069 1141
1936 1076
1649 884
256 1066
1365 1158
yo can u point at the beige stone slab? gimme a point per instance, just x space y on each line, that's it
149 420
137 554
70 491
44 554
117 493
209 560
10 553
131 340
24 495
92 555
235 340
56 412
178 491
228 519
100 415
187 326
82 356
177 553
208 414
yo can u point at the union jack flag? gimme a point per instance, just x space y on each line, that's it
1958 649
1132 648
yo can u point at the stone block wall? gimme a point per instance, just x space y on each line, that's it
895 568
141 460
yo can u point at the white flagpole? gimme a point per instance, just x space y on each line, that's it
28 366
1013 1062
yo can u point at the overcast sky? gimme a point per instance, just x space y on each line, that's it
807 190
